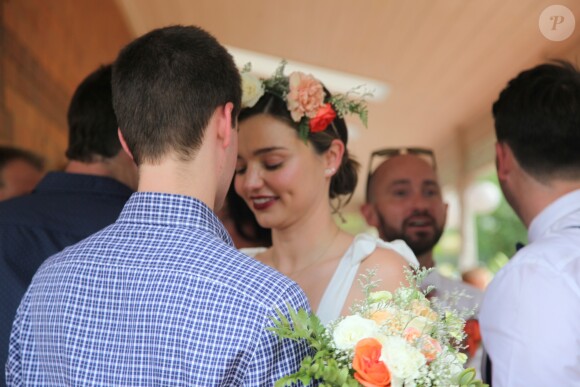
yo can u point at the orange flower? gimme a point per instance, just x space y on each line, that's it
473 339
323 118
370 371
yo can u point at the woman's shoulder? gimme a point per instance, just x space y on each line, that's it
373 249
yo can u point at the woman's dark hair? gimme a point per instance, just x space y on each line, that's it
344 181
245 221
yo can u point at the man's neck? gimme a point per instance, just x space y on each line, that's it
96 168
541 196
180 178
426 260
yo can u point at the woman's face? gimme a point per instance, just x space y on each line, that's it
280 177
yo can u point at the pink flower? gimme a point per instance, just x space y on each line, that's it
305 97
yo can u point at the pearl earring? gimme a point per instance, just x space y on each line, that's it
329 171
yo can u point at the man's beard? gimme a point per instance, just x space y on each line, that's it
420 242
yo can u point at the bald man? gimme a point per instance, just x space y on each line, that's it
404 201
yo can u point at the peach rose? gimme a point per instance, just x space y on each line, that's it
430 348
305 97
324 117
369 370
411 334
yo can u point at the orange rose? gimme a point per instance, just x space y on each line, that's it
370 371
323 118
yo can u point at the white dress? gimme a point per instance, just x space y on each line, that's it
336 292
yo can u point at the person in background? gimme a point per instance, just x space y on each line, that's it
404 201
68 206
530 314
161 296
292 169
20 172
478 277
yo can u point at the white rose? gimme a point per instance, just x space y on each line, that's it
252 90
351 330
403 360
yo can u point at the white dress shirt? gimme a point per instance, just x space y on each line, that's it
530 316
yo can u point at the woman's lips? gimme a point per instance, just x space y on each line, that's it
263 202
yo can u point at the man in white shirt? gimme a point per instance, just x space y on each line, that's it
530 317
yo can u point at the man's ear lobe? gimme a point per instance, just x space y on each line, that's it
369 213
225 123
504 160
124 144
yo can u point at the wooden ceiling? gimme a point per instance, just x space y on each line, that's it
444 60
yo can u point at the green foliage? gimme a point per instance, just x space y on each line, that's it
497 233
326 364
353 102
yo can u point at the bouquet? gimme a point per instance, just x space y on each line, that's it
389 339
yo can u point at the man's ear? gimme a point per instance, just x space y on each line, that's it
224 123
504 160
124 144
370 214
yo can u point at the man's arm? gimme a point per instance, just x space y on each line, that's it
14 363
274 357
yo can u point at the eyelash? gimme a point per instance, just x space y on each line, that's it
273 167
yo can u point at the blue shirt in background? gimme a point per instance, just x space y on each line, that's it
64 209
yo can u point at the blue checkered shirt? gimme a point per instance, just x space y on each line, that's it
158 298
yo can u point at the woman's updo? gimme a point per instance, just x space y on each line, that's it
343 182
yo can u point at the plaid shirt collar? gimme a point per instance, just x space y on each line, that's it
172 210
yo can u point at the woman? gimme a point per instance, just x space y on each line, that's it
292 163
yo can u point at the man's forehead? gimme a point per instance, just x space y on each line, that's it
405 167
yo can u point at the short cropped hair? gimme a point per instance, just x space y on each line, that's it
9 154
538 116
167 85
91 119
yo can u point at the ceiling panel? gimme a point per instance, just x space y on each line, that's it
444 60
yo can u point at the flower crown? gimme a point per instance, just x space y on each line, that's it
308 104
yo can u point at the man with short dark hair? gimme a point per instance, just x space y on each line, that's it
161 297
20 171
68 206
530 315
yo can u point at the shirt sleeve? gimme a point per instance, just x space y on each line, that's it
14 363
531 328
274 357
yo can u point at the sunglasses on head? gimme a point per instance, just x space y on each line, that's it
386 153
